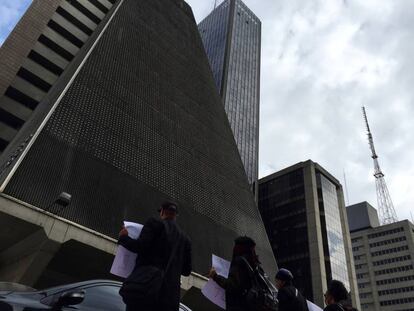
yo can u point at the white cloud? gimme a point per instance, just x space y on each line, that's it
321 61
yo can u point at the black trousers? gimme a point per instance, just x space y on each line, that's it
147 308
140 308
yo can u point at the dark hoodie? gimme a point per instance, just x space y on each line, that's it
239 281
236 285
290 299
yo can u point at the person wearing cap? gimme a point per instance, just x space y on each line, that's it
239 280
161 241
290 299
337 298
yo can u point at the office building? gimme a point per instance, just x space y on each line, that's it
231 34
303 210
384 260
37 53
362 216
133 120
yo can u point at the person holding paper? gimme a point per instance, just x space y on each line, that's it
290 299
238 281
163 255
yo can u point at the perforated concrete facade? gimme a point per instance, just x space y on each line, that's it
141 122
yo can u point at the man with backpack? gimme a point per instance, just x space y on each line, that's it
246 286
290 299
164 254
336 297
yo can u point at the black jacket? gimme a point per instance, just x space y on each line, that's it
290 299
154 247
334 307
236 285
339 307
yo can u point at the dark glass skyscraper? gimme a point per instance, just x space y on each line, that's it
304 214
231 35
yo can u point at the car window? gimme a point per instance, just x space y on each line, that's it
102 298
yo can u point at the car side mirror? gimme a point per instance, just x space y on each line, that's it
69 299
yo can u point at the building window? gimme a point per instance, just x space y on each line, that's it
392 231
391 260
393 270
396 280
354 240
391 241
396 290
390 250
361 275
363 285
331 223
358 257
397 301
365 295
361 266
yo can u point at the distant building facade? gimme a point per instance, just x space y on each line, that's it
304 213
384 260
231 36
132 120
362 216
38 51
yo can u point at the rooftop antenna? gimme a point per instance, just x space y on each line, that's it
215 4
412 219
346 190
386 209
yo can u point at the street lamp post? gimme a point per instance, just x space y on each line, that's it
62 200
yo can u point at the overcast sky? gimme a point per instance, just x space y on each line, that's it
321 61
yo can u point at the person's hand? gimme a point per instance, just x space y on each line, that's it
123 232
212 273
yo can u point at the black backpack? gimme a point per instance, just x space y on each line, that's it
262 295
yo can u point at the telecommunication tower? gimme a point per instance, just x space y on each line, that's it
386 209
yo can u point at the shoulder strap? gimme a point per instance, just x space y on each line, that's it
251 270
259 279
340 306
174 250
249 267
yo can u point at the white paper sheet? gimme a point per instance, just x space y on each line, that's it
212 291
124 260
134 229
221 265
312 306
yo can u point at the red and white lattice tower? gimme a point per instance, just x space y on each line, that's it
386 209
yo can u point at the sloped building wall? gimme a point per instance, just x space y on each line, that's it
141 122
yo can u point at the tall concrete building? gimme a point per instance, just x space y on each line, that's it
133 119
231 35
37 53
384 260
304 213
